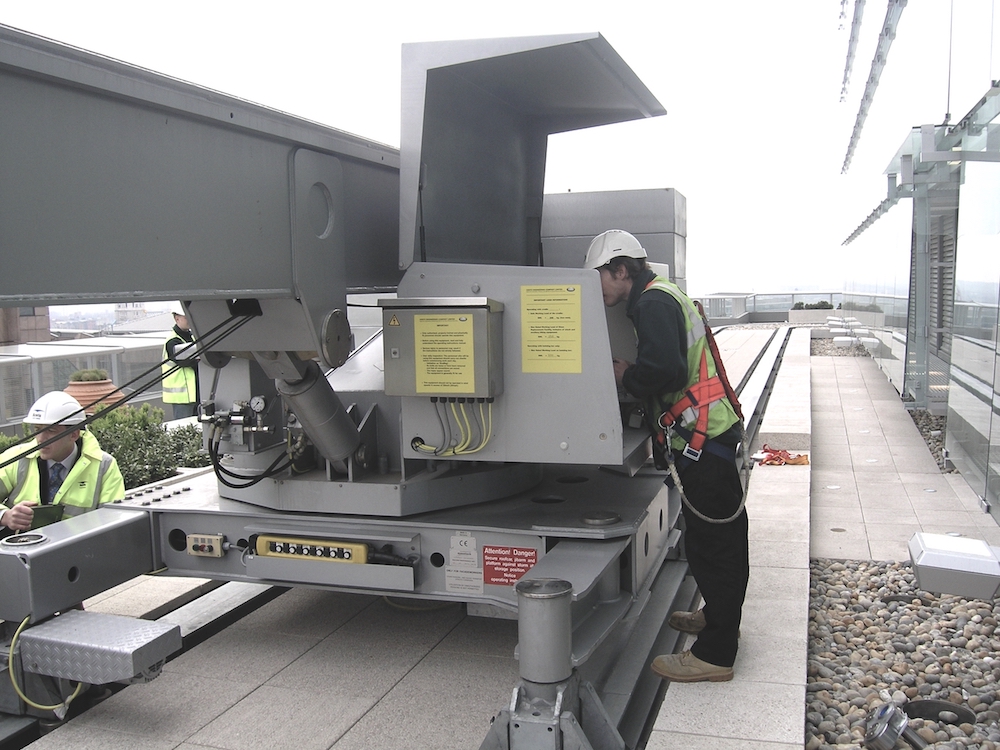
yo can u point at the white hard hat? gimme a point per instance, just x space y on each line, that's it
614 243
55 407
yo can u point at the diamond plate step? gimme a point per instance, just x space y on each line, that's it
96 648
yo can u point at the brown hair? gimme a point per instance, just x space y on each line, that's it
633 266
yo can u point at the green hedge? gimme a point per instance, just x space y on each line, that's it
146 452
821 305
6 441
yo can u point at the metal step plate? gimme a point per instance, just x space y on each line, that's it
96 648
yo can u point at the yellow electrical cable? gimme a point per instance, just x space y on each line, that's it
17 689
487 430
465 432
468 431
461 443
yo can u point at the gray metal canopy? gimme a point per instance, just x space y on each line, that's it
475 120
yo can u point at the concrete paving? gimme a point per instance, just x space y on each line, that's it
316 669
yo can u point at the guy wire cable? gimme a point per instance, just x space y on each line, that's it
202 345
124 400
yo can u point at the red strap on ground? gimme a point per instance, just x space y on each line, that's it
778 457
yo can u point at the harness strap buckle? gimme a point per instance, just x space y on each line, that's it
691 453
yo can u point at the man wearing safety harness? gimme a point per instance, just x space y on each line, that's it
71 472
687 403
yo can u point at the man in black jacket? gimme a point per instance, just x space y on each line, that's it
673 359
180 370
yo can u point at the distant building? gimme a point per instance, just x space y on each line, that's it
128 311
20 325
162 321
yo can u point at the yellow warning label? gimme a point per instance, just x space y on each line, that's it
394 321
551 329
445 359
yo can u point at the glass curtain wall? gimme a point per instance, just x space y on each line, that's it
973 436
878 296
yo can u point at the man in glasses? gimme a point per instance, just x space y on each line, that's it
71 472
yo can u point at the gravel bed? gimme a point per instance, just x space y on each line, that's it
875 638
826 348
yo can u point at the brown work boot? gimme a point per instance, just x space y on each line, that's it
686 667
687 622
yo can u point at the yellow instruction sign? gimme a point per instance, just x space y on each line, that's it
445 360
551 329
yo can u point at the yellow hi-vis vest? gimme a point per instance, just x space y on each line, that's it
95 478
179 386
721 415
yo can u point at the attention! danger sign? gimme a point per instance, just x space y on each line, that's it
504 566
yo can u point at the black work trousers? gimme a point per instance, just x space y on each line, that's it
718 554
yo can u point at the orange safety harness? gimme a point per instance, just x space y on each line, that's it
699 398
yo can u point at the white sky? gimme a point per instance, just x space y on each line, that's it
754 136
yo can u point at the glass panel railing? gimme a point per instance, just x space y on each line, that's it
973 436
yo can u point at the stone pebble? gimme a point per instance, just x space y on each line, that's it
875 638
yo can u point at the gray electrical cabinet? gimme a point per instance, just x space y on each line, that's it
443 347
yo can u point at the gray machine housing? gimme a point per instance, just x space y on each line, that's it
657 218
263 225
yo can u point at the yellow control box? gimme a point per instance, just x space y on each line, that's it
311 549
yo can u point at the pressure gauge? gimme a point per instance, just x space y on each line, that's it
257 404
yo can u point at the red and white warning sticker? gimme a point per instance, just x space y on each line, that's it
504 566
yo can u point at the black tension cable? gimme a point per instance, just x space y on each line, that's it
201 346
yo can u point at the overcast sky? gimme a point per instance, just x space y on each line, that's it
755 132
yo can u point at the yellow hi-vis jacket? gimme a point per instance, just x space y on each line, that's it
180 386
721 415
95 478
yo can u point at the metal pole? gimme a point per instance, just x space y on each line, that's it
544 627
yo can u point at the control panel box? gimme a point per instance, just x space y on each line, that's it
206 545
316 549
443 347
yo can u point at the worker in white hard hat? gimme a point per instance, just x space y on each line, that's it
180 369
71 472
676 377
